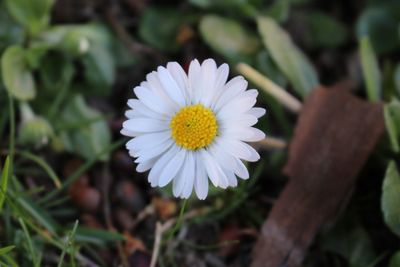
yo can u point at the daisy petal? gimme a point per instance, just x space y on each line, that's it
214 171
145 125
152 152
189 174
143 110
223 158
257 112
179 182
155 172
208 76
222 76
233 88
201 180
126 132
194 78
240 170
170 86
153 101
242 120
238 105
236 148
254 156
146 165
130 114
146 141
172 168
179 76
247 134
232 181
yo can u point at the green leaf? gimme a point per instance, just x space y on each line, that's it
5 250
56 70
391 198
92 44
370 68
99 69
395 260
349 239
96 236
381 26
163 36
16 75
85 129
290 60
76 40
10 31
39 214
321 30
279 10
397 78
4 182
239 8
391 113
32 14
35 54
228 37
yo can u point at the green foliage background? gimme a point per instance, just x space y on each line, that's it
52 73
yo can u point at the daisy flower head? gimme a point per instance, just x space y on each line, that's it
188 128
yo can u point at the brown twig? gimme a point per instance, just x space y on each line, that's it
271 143
161 228
106 183
143 214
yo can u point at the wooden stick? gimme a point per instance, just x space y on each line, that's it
161 228
271 143
334 136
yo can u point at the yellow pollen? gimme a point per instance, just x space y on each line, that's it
194 127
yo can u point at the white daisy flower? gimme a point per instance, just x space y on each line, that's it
189 128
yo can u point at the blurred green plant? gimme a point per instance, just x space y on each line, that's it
51 72
48 70
53 52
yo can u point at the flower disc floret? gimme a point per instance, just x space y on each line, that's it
194 127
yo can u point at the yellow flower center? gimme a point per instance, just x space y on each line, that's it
194 127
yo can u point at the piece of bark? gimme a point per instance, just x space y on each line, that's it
334 136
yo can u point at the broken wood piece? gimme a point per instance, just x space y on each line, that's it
333 138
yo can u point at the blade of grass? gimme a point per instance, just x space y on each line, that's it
10 261
5 250
81 170
68 243
4 182
43 164
3 121
12 128
44 233
370 68
39 214
29 242
97 236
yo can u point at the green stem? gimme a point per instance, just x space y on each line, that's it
81 170
43 164
179 221
12 131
